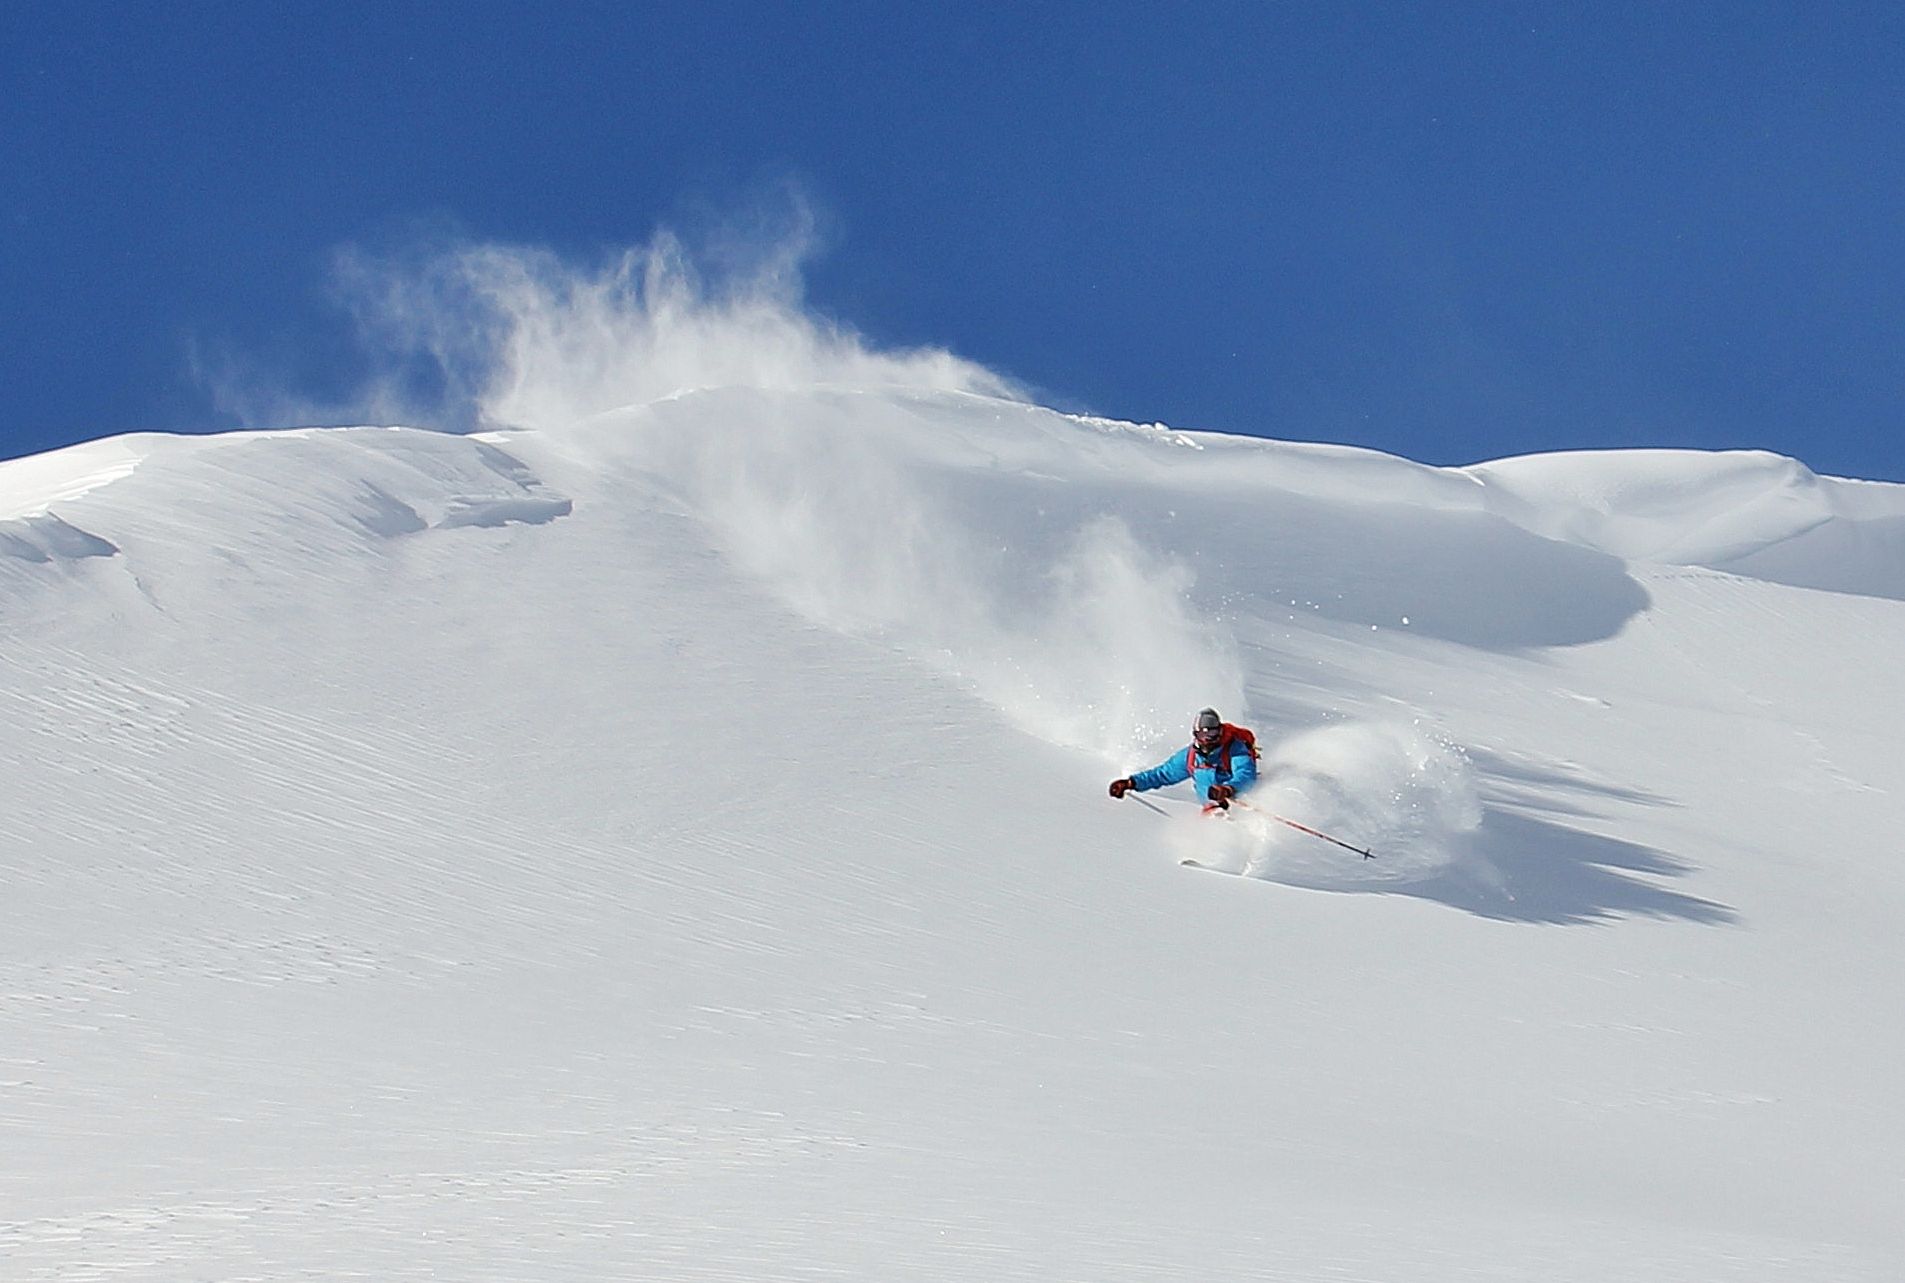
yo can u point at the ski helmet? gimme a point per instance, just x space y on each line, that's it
1208 730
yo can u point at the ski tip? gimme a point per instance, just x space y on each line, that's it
1199 864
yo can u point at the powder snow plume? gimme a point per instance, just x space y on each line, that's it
462 334
1401 792
813 454
1056 613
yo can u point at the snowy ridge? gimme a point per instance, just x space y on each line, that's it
30 486
672 843
265 501
1752 513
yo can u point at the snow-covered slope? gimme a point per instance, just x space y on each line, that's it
674 845
1760 515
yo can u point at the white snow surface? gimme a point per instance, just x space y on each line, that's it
675 846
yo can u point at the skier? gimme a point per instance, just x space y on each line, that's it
1221 761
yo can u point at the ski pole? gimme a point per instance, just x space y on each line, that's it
1149 806
1304 828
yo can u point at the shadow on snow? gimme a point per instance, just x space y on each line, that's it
1530 868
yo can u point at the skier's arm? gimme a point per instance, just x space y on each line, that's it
1171 770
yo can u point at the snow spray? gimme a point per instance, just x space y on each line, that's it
1396 789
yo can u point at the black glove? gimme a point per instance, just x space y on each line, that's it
1220 795
1120 787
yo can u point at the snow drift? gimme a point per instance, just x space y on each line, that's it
1755 514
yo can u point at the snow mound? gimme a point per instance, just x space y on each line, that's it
29 487
198 514
45 538
1749 512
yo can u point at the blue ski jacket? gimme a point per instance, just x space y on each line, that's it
1239 771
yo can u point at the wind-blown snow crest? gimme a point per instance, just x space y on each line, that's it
1748 512
29 487
196 523
468 335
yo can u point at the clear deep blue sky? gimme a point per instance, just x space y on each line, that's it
1449 230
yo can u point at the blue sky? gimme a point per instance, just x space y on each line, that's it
1452 231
